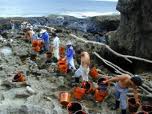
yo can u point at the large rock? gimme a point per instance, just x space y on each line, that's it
134 35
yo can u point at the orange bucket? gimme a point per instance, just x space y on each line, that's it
62 65
39 43
19 78
100 95
80 112
62 68
132 107
78 93
62 61
61 50
65 98
101 85
88 86
37 49
147 108
34 43
142 112
94 73
73 107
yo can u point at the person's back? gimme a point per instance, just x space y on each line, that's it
85 59
45 37
124 81
70 52
56 44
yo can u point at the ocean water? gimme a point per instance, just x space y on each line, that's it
77 8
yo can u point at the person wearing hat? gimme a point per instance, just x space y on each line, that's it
45 38
124 82
70 55
56 45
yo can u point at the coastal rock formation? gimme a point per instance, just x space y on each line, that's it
134 35
90 24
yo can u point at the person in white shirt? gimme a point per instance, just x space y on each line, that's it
83 70
56 44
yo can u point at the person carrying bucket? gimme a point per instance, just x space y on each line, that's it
124 82
70 56
84 66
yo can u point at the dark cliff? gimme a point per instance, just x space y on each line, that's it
134 35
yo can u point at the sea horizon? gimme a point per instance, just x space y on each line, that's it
38 8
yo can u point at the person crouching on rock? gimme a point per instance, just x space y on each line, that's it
56 44
124 82
70 56
84 67
45 38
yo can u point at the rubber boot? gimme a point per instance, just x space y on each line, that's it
117 103
77 80
123 111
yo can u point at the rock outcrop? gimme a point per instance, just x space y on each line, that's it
91 24
134 35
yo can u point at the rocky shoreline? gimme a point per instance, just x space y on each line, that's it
46 84
90 24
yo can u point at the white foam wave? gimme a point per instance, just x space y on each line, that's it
89 14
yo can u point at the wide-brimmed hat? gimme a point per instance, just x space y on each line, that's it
69 43
42 31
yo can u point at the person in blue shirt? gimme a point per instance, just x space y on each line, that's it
45 38
70 55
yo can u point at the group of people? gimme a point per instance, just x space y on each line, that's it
123 82
54 48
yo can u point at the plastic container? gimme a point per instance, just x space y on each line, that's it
88 86
142 112
147 108
62 65
61 51
100 95
102 86
80 112
78 93
73 107
30 90
94 73
150 112
19 78
64 98
132 107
